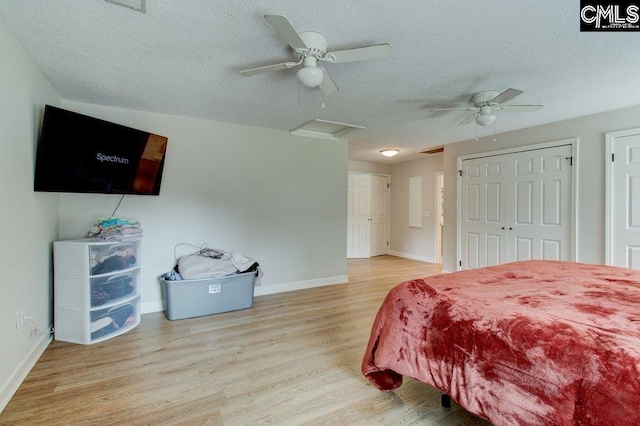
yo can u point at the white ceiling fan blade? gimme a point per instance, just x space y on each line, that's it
327 85
521 108
469 119
360 53
454 109
506 95
282 25
268 68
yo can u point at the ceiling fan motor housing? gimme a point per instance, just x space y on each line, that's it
316 45
482 98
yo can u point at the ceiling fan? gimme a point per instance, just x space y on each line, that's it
487 103
311 48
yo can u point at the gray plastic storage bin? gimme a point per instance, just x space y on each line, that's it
194 298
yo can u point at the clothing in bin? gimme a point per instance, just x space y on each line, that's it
211 263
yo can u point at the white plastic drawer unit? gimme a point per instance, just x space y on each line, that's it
96 289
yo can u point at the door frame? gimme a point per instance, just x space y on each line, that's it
610 138
438 209
574 188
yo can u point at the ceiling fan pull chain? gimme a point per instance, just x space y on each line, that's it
298 96
323 93
494 131
476 131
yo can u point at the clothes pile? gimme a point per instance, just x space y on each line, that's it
212 263
116 229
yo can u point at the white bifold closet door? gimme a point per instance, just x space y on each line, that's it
516 207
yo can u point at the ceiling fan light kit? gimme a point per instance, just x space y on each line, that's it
485 119
389 152
310 75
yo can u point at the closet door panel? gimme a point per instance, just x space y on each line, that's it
523 248
551 250
473 250
524 203
552 202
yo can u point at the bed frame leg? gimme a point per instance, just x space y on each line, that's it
446 400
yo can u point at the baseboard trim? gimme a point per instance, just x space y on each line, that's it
413 256
149 307
261 290
299 285
10 387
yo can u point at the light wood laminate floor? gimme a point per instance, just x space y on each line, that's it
294 358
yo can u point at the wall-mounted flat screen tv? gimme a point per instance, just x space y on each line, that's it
78 153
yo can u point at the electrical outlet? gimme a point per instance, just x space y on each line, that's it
263 261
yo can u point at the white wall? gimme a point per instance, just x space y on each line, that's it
414 243
28 220
263 192
591 168
366 167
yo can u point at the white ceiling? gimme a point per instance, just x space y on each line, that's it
183 58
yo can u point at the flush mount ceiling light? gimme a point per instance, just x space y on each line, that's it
139 5
389 152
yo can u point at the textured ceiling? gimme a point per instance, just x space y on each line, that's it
183 58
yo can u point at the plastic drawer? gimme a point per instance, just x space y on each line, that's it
105 290
105 322
105 259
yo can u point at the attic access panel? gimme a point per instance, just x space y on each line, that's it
139 5
324 129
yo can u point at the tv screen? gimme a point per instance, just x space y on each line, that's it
78 153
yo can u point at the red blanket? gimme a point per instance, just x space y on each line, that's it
526 343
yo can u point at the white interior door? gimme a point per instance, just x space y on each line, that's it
358 216
516 207
484 211
540 204
623 199
379 211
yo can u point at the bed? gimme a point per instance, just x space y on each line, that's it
525 343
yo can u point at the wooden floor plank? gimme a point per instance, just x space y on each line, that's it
293 358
